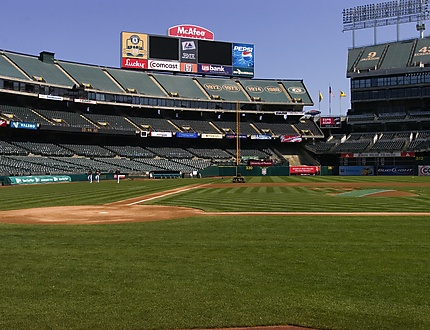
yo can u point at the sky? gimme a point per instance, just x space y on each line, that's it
292 39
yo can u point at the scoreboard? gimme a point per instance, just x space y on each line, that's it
142 51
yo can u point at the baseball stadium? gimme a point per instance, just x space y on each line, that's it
177 191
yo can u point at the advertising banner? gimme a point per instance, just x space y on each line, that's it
305 170
233 136
23 125
378 154
264 163
356 170
190 31
243 55
424 170
188 67
164 65
3 123
51 97
215 69
261 137
39 179
134 63
330 122
188 51
395 170
161 134
211 136
243 72
243 59
290 138
186 135
85 101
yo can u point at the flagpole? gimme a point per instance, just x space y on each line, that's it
329 100
319 100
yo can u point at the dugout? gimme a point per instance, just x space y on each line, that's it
165 175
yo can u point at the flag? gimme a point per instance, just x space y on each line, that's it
342 94
320 96
330 91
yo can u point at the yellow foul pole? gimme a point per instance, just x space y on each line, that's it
237 137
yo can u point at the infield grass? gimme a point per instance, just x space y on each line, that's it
324 272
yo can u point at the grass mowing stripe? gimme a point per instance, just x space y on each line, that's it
349 273
299 199
367 273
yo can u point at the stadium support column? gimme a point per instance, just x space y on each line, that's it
237 137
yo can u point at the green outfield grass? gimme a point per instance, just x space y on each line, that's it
323 272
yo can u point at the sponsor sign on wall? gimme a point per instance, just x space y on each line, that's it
85 101
424 170
3 123
261 137
164 65
188 67
134 63
23 125
211 136
395 170
215 69
51 97
260 163
233 136
186 135
39 179
305 170
190 31
188 51
290 138
378 154
161 134
356 170
330 122
243 59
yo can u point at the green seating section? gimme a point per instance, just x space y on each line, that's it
35 68
8 70
388 56
138 82
223 89
371 57
95 76
180 86
397 55
297 90
265 90
422 51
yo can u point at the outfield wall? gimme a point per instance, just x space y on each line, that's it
389 170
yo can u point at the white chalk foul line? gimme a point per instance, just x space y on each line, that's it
161 196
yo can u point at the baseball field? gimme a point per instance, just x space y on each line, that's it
275 252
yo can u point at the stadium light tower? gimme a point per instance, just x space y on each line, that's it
386 13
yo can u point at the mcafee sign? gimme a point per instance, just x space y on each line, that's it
190 31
